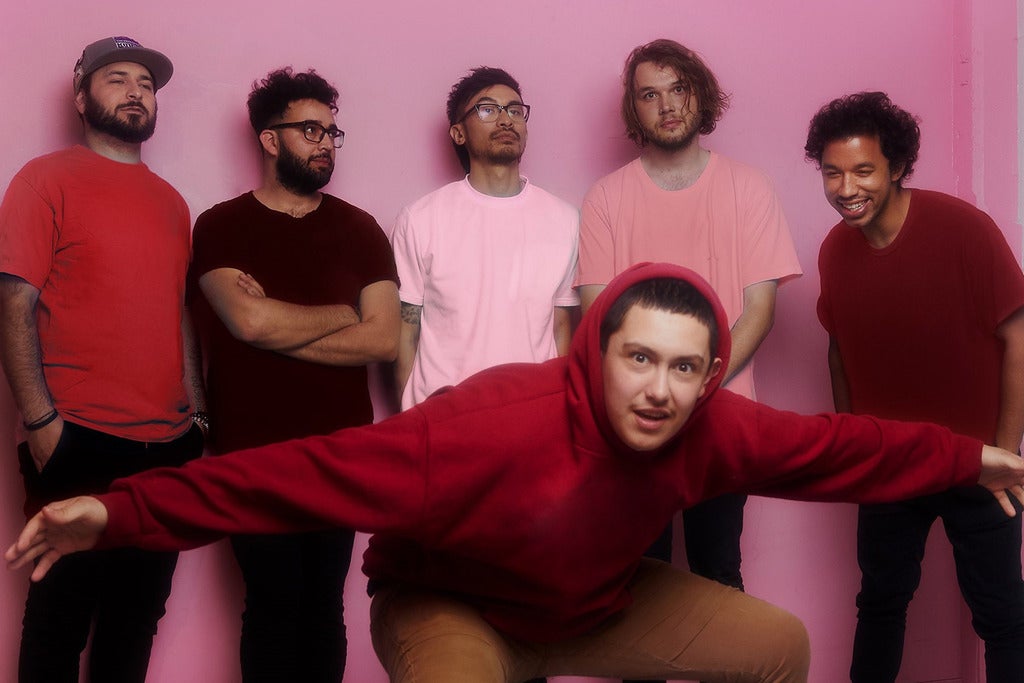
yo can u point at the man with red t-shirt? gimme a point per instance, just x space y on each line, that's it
924 306
93 252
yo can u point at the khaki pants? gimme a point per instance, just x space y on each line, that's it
680 626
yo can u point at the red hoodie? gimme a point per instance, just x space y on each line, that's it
512 491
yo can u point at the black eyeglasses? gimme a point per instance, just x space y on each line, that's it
314 132
489 111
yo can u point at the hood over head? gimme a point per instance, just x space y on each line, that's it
586 377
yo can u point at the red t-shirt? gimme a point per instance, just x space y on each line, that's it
107 245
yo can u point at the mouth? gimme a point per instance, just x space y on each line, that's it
505 136
852 209
650 419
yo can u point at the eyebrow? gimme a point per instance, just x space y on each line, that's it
122 72
487 99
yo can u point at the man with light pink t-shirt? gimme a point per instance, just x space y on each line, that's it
486 263
681 203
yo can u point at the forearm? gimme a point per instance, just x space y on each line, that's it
408 342
193 363
359 344
1010 427
753 325
563 328
20 352
840 385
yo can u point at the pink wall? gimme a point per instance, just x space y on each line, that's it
951 61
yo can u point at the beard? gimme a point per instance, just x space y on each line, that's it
295 173
673 143
136 129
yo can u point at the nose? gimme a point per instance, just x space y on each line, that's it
656 390
847 186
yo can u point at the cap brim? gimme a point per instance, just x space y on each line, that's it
159 66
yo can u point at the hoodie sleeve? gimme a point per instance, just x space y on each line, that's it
371 479
829 457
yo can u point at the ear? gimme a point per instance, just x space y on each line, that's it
268 141
896 173
716 367
458 134
80 101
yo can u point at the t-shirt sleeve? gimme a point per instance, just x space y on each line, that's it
768 251
566 293
29 232
824 306
993 273
597 243
379 261
408 260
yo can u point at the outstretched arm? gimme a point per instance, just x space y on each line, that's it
58 529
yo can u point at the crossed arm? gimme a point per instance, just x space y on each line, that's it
334 334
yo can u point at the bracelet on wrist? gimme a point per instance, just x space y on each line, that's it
203 421
42 422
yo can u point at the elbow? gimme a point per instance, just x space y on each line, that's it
249 328
387 352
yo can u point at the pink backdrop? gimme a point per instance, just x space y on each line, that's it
951 61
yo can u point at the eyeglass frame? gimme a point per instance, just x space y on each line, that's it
475 108
308 123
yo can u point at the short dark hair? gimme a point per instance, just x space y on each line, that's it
270 97
661 294
480 78
867 113
712 102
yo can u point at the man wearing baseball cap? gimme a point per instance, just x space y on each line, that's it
94 345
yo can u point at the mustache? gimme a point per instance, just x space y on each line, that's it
498 133
133 105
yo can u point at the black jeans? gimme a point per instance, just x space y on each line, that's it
712 534
986 547
293 626
119 593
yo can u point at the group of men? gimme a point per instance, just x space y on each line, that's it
511 512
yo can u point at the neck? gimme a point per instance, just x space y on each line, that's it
674 169
113 148
881 232
276 197
495 180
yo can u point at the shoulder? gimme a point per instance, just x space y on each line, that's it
939 206
541 198
226 213
452 192
503 390
349 212
742 174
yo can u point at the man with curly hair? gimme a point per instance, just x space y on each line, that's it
294 292
924 306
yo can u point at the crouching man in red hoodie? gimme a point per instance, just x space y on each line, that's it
511 512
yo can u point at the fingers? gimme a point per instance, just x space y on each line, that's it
249 284
45 562
1004 501
1018 493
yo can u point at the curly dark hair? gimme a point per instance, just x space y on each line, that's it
465 89
867 113
270 97
712 102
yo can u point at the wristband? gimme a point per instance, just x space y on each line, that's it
42 422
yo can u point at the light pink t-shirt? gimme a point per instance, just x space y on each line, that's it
488 272
728 226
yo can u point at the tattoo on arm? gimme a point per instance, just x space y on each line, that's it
411 313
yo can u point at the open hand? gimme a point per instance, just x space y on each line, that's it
58 529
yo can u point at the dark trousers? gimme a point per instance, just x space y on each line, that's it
119 593
986 547
293 626
712 534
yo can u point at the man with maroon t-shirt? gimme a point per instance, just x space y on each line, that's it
294 292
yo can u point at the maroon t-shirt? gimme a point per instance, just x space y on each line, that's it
916 321
325 257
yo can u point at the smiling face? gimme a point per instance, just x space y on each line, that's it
860 184
656 366
667 110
